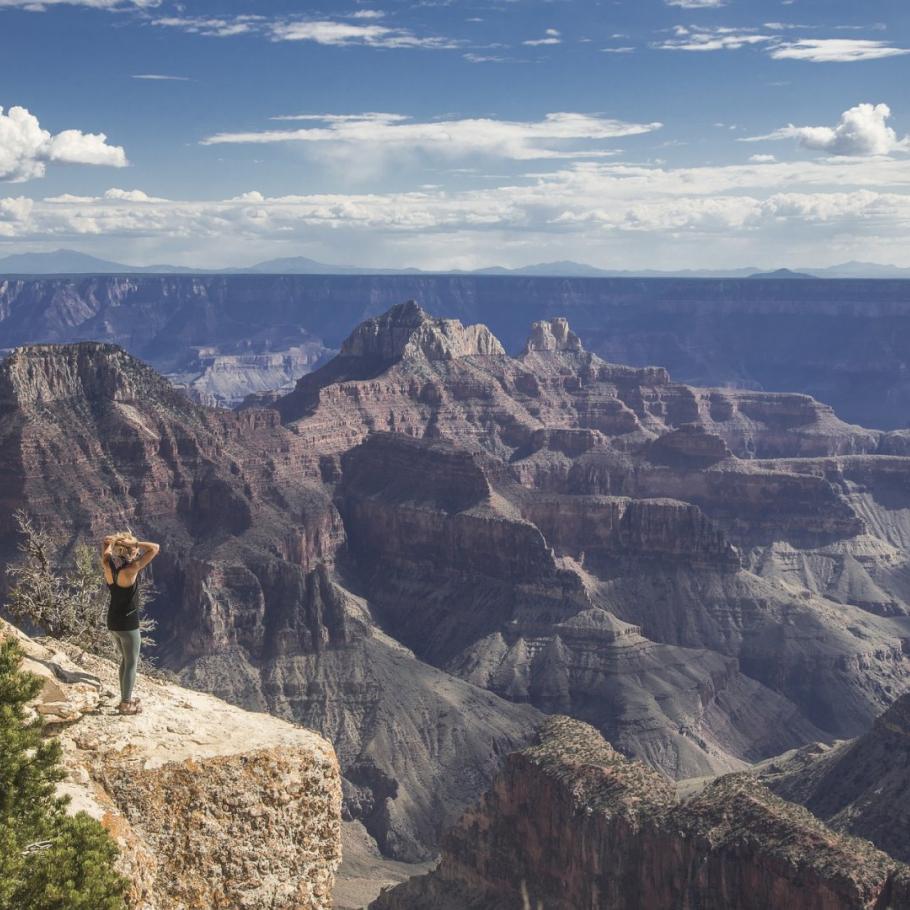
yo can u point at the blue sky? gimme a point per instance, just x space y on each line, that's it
458 133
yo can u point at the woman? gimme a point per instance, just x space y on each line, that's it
122 564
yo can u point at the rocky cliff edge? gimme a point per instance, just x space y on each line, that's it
211 806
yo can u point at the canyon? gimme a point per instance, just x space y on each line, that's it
837 340
428 547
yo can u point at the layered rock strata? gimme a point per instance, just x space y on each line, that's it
861 786
840 341
570 825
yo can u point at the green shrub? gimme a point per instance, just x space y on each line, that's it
48 860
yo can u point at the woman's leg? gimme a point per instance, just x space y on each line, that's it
129 643
122 666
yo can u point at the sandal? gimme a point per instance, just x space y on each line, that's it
129 707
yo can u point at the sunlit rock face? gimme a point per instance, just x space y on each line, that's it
210 805
572 825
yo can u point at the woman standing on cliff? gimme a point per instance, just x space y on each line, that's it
122 563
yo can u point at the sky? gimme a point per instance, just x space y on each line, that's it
627 134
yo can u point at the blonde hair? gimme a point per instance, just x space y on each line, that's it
123 544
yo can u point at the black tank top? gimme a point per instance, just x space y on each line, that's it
123 612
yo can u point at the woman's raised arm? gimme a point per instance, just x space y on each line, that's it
150 552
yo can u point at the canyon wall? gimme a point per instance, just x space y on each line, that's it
860 787
570 824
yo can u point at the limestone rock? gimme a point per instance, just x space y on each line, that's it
211 806
407 330
517 546
552 335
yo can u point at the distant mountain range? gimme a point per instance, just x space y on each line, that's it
72 262
783 273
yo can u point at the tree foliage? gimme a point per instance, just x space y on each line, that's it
48 859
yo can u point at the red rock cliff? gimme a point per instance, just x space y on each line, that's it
572 825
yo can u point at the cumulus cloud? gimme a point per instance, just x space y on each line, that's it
762 159
551 36
862 130
131 196
517 140
583 204
836 50
26 148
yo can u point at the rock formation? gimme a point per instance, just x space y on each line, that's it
840 341
572 825
705 525
211 806
224 379
860 787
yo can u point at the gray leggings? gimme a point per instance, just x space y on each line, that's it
128 643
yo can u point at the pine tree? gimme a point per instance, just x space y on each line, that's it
48 860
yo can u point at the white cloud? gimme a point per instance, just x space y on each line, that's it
115 194
617 50
696 4
326 31
762 159
26 148
14 214
551 36
159 77
40 6
862 130
364 32
484 58
212 26
836 50
813 50
696 38
583 204
518 140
